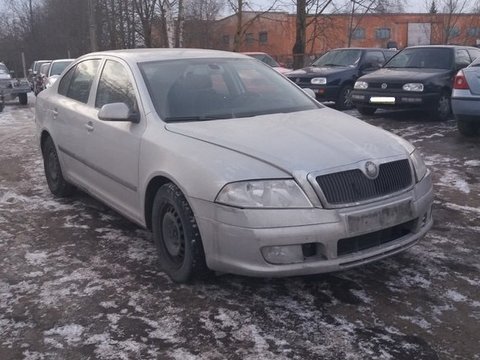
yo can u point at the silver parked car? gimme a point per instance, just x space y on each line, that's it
233 167
466 99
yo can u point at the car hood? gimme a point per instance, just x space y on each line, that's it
317 71
404 75
306 141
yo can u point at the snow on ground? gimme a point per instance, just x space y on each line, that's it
78 281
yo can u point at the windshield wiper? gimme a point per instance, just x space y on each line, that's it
329 64
198 118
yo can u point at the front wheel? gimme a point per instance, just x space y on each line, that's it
23 99
468 128
344 100
53 172
442 110
176 235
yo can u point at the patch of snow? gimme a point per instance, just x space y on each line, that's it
72 333
455 296
472 163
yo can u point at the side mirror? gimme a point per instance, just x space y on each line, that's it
118 112
310 93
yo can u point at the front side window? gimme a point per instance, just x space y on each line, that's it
115 86
374 58
207 89
462 58
82 79
432 58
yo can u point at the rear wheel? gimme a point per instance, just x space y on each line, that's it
53 172
176 236
366 110
23 99
344 100
468 128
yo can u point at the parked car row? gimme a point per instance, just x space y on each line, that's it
44 73
419 77
12 88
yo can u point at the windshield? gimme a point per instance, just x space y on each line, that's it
433 58
58 67
207 89
339 58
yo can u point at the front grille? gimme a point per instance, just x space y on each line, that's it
367 241
354 186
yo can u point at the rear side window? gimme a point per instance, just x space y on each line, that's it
82 79
474 53
115 86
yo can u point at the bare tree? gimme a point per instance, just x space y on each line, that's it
245 20
452 9
200 17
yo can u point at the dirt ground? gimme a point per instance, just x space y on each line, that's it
78 281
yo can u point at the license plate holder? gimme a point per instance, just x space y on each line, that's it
378 219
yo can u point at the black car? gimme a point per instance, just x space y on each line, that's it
333 75
418 77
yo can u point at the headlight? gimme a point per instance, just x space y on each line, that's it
319 81
417 87
418 165
360 85
263 194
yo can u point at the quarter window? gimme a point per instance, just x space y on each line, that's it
383 33
115 86
82 79
65 82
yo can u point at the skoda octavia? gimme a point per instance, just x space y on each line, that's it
233 167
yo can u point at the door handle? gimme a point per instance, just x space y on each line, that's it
89 126
55 113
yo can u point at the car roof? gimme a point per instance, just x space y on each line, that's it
439 47
61 60
363 48
146 55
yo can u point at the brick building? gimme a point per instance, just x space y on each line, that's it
274 32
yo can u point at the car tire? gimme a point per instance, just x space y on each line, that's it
442 109
366 110
53 171
344 100
176 236
468 128
23 99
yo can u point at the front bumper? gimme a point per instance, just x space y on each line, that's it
394 100
235 239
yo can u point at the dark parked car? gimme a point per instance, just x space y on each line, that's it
466 99
333 74
418 77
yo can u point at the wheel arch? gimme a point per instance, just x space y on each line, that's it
43 137
151 190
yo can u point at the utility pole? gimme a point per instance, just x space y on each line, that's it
93 28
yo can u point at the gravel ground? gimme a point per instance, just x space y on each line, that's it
78 281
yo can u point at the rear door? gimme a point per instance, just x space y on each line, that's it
71 112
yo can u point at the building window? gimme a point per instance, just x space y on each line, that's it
249 39
226 40
473 32
358 33
454 31
263 37
383 33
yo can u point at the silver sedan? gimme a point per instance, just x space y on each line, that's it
466 99
233 167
